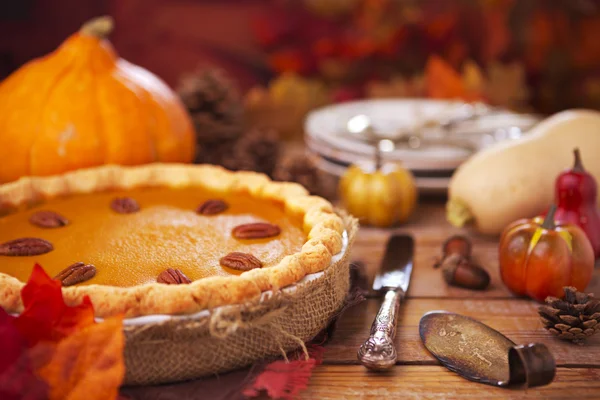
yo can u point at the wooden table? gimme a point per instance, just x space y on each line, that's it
417 375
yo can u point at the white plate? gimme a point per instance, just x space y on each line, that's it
326 133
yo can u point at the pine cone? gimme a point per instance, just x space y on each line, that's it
214 104
574 318
257 150
302 169
215 152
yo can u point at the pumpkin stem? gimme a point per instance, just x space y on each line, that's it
549 220
99 27
577 165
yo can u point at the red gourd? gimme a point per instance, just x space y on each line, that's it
575 192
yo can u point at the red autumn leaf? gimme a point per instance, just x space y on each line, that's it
497 33
63 345
17 378
46 316
440 26
289 60
285 379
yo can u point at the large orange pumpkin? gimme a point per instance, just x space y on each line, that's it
82 106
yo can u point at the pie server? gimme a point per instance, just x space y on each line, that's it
378 352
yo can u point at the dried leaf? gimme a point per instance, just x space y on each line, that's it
88 364
17 378
284 104
472 77
46 316
293 89
285 379
443 82
76 357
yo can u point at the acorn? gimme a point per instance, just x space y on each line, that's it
459 271
456 244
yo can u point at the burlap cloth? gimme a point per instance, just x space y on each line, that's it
235 336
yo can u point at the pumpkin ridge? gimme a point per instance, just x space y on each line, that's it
75 65
126 142
151 123
101 132
527 257
67 68
161 97
31 69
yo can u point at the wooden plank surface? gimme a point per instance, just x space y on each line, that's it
429 229
433 382
417 374
515 318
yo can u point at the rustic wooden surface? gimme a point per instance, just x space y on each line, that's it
417 374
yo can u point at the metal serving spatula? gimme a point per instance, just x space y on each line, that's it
379 352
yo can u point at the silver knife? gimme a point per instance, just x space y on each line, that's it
378 352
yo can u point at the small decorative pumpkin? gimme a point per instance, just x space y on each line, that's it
538 257
378 194
82 106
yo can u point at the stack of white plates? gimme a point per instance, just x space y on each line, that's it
452 131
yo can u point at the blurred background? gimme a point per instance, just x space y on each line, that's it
251 71
541 55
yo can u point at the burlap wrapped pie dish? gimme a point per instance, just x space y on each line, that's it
212 269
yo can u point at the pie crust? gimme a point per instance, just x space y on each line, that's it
323 227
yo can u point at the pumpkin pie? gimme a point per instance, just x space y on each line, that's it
162 238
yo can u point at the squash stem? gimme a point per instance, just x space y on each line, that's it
549 220
99 27
458 213
577 165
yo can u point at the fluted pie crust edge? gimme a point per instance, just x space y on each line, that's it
322 225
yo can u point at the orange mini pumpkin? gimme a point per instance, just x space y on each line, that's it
538 257
83 106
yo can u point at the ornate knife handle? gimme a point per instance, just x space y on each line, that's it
379 352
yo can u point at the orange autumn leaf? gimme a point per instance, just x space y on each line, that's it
444 82
75 356
88 364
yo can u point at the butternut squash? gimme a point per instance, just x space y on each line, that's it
515 179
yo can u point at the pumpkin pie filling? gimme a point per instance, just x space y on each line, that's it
170 230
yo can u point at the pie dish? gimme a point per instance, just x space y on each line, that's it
162 238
